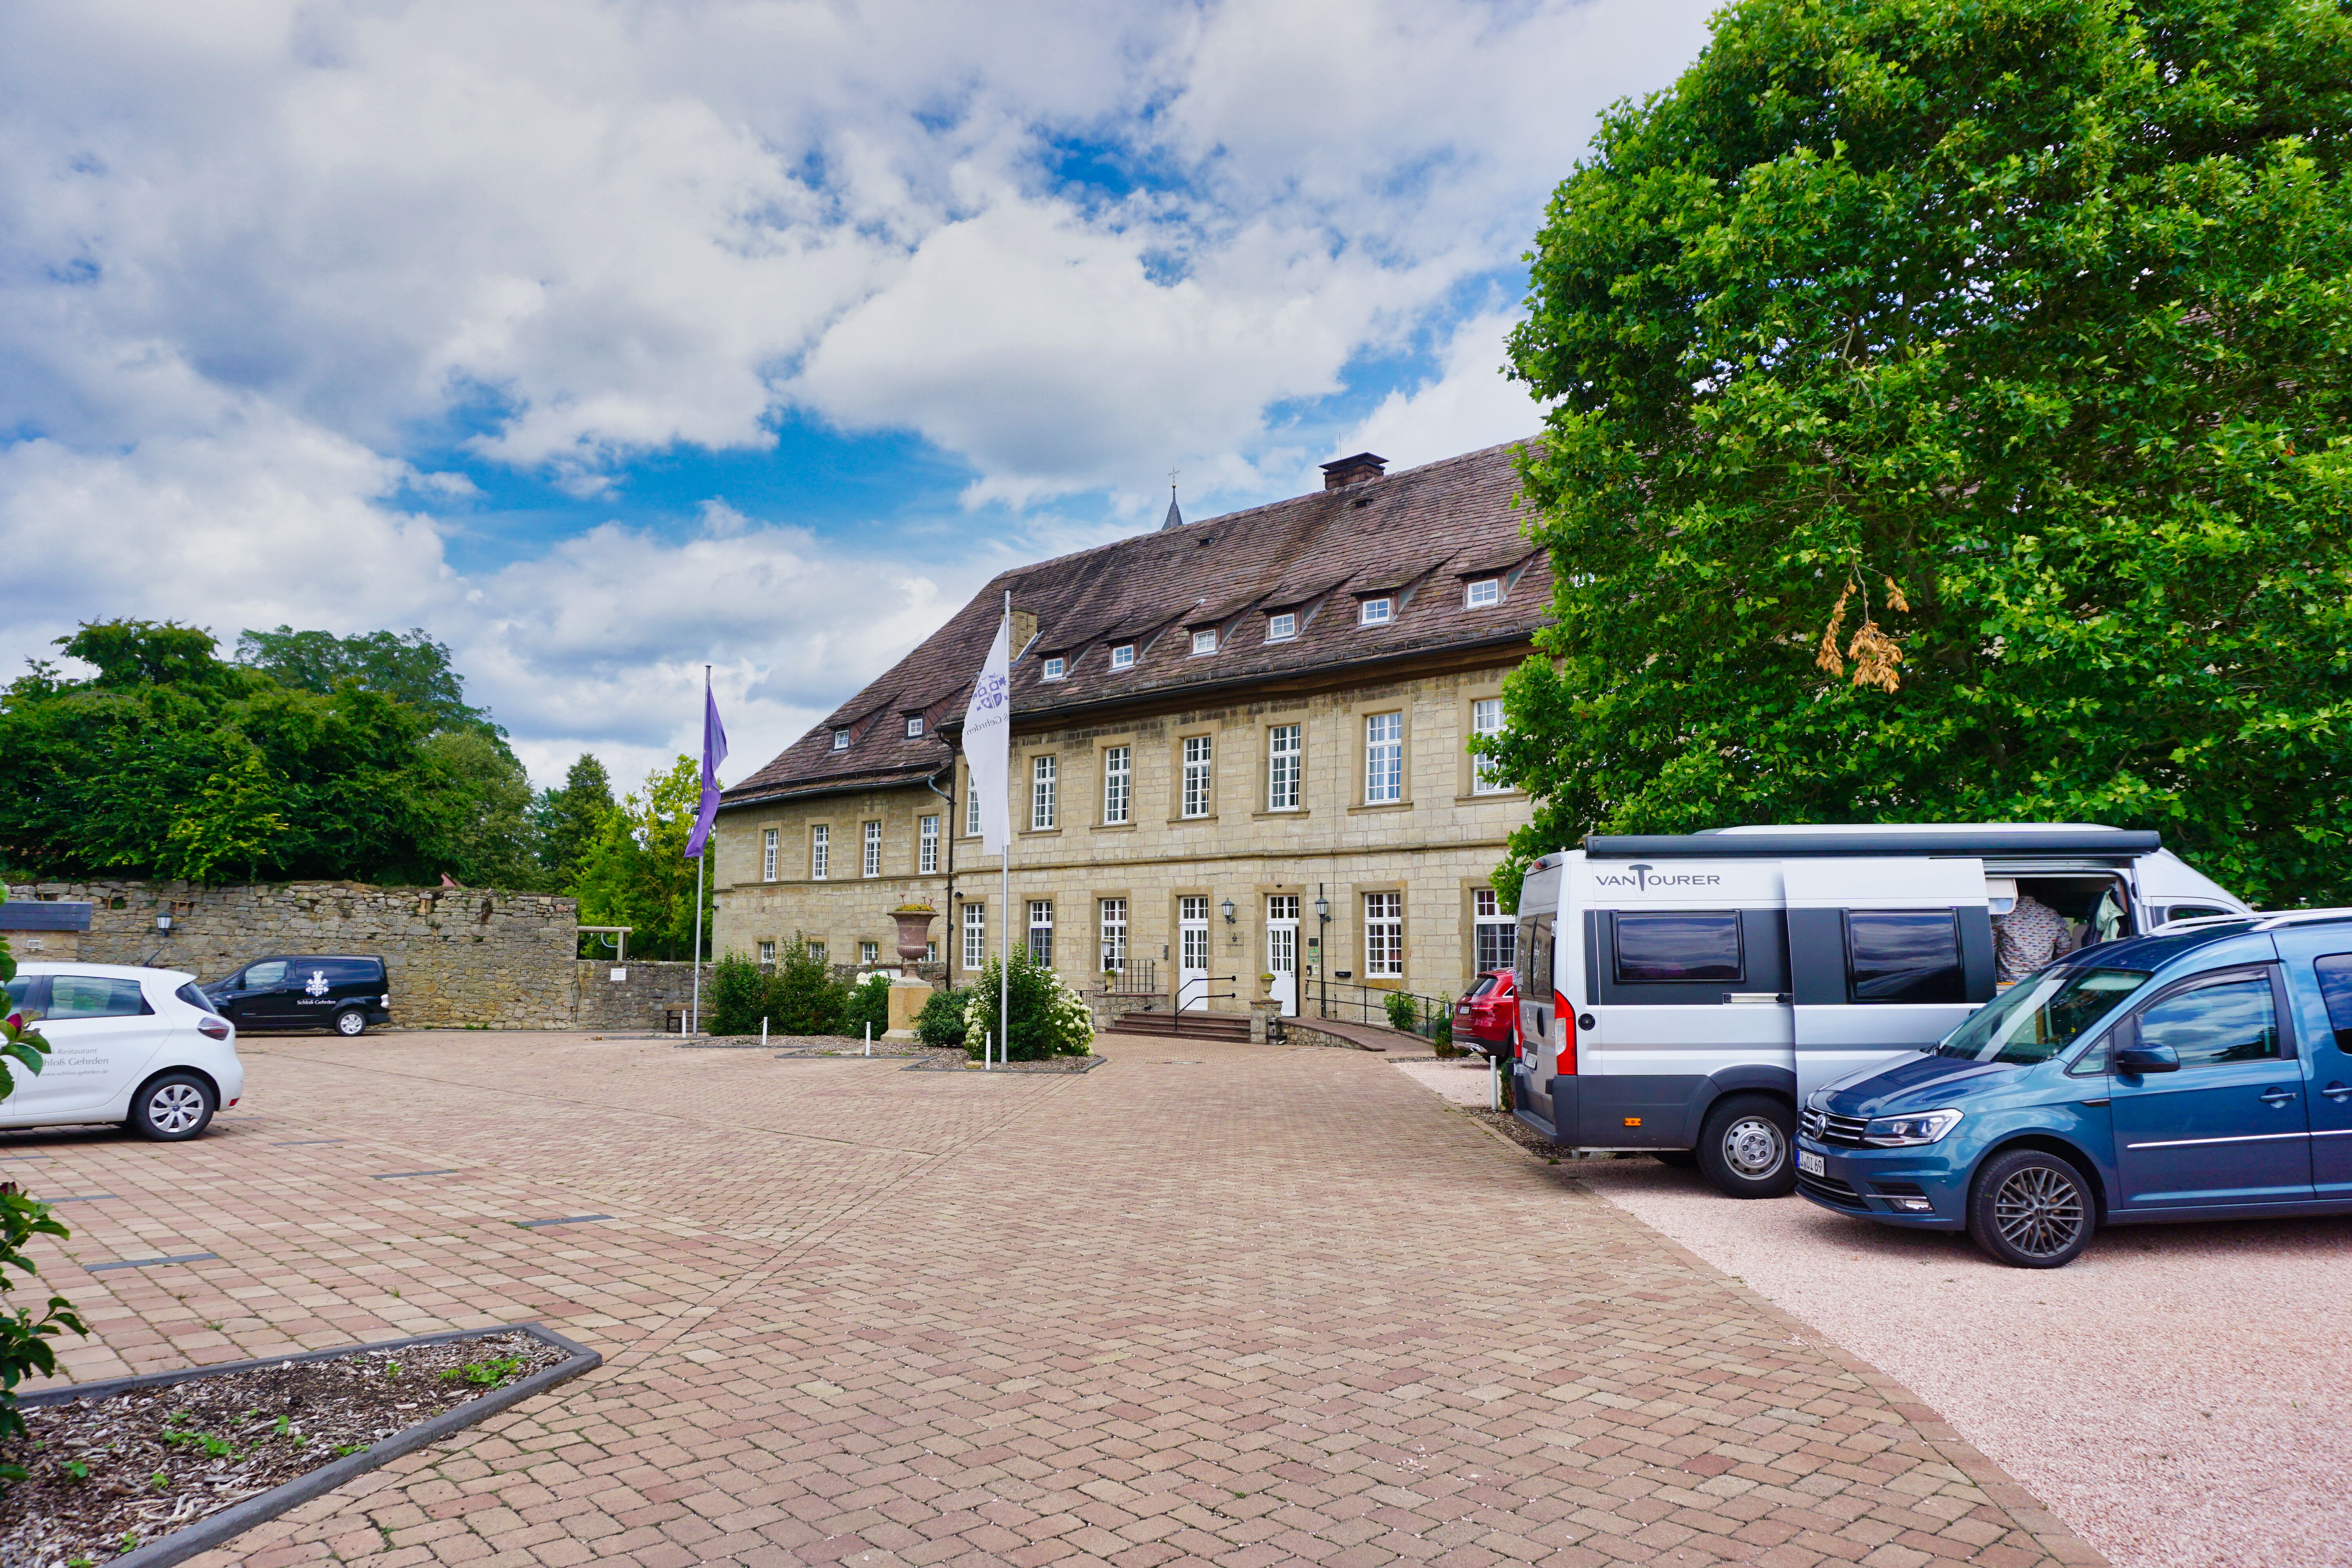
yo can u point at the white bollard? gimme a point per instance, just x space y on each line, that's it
1493 1083
869 1037
988 1051
763 1028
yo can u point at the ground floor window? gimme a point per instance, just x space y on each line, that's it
1384 936
768 953
1041 930
817 951
931 951
869 952
1114 936
975 936
1497 934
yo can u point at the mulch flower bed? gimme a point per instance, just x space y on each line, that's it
112 1474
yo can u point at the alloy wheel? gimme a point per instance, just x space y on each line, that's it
349 1023
1754 1147
2039 1211
175 1107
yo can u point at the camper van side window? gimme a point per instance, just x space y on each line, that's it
1703 946
1914 957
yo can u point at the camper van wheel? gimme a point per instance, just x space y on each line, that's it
1744 1147
1680 1159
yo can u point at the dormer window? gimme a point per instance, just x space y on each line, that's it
1483 592
1204 642
1056 667
841 740
914 726
1123 656
1282 627
1376 612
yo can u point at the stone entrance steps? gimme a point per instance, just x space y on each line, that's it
1195 1025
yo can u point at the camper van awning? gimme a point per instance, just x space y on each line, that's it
2114 842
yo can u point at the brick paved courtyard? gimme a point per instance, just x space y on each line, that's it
1207 1303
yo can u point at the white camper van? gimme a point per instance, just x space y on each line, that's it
1681 994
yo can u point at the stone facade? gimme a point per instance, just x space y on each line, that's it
467 957
1435 849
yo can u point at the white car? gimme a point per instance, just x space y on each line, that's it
141 1047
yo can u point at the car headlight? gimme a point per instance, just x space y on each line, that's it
1900 1132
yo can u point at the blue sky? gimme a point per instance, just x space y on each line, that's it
603 341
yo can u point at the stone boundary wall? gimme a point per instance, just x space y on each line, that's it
639 1005
456 957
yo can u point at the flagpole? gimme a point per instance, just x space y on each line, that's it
1004 943
693 1008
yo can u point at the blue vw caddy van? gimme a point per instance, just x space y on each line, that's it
2203 1071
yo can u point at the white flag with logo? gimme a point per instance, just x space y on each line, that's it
988 742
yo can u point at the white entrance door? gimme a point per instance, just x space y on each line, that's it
1282 949
1192 953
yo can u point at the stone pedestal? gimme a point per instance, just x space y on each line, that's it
908 994
908 997
1262 1011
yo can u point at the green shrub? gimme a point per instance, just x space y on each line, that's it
736 996
941 1022
803 998
1048 1018
25 1349
868 1001
1401 1011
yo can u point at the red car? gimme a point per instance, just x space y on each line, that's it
1487 1016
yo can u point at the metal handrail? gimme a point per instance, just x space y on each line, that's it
1176 1023
1370 1006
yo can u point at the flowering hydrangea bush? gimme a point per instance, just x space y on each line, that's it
1049 1019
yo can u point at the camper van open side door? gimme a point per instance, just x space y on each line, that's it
1885 957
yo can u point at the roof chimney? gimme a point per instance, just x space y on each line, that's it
1355 471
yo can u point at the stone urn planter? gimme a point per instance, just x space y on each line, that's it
914 930
909 994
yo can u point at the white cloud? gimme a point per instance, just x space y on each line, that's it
256 256
1468 404
596 645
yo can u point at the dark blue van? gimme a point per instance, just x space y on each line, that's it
2201 1072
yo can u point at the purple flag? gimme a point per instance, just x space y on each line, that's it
714 752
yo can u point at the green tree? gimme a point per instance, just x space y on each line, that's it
1947 411
566 820
412 668
635 873
486 831
171 763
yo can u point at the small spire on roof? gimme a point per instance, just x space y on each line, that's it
1175 519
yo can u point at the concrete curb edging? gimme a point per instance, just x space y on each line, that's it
218 1528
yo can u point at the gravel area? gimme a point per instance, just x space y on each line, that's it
105 1476
798 1046
1459 1082
953 1060
2181 1396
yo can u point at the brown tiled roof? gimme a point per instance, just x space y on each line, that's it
1419 530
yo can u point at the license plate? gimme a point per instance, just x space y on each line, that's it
1812 1165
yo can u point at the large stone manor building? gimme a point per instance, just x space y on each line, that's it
1238 749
